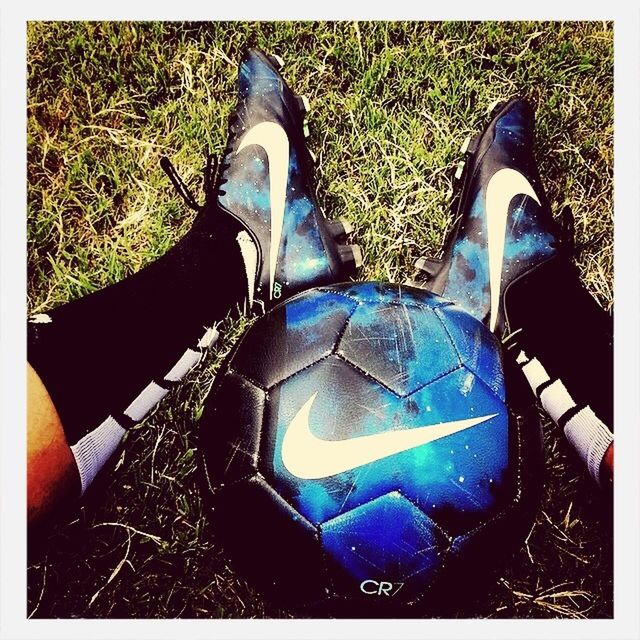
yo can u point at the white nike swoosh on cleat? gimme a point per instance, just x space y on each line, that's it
308 457
250 257
504 185
273 139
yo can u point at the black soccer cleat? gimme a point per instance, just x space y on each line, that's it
509 263
265 183
505 223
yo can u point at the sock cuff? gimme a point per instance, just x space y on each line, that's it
590 437
93 450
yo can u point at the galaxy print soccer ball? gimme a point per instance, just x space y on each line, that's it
361 444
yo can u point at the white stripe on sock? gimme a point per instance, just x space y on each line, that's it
93 450
189 359
535 374
146 400
590 437
209 338
556 400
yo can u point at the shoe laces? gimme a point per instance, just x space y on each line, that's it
226 163
566 241
181 187
214 173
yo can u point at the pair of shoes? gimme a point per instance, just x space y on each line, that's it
265 184
333 344
508 262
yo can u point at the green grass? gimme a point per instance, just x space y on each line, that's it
391 105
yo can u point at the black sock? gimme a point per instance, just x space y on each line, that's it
96 354
568 330
563 341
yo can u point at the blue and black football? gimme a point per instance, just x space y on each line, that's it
361 443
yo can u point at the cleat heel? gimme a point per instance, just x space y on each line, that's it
427 266
494 107
472 145
409 282
469 145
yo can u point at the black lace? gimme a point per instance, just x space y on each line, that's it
566 241
181 187
225 164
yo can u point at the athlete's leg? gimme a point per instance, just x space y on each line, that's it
563 340
52 474
107 359
509 263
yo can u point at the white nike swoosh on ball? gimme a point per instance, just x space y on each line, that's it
310 458
273 139
504 185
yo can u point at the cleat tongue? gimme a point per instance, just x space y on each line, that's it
303 104
277 61
340 228
350 256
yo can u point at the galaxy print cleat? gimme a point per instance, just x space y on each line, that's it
509 264
505 225
265 183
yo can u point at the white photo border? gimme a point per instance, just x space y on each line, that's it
13 620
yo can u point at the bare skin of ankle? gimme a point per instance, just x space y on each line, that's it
52 474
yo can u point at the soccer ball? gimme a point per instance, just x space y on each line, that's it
360 443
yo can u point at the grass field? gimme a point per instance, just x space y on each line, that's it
391 105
